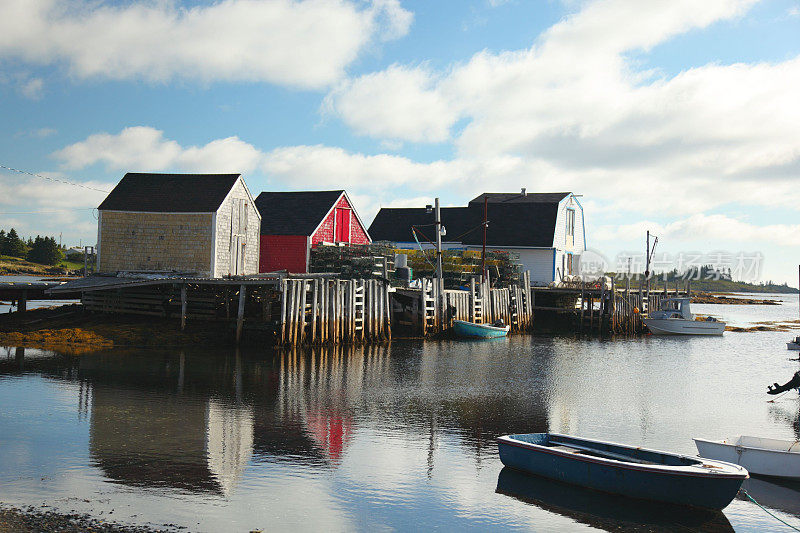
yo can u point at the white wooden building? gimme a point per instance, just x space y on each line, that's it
545 230
201 224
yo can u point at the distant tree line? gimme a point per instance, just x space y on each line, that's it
42 250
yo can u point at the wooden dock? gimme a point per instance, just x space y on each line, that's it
21 292
591 307
430 310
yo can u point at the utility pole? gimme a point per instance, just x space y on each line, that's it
647 273
438 215
483 250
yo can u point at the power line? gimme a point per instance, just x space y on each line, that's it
53 179
47 212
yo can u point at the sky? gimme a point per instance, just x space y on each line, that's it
674 116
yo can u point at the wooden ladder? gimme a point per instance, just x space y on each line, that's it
358 307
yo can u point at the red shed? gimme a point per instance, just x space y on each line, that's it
293 222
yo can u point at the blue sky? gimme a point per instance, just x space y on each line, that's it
670 116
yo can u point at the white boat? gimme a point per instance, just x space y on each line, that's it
793 345
675 318
766 457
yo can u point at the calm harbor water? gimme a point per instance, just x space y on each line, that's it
397 437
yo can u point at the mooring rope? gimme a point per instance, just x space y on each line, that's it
784 522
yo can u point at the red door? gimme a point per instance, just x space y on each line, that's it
342 225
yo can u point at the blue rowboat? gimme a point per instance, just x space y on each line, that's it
481 331
627 470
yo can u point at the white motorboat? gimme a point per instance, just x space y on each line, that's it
766 457
793 345
675 318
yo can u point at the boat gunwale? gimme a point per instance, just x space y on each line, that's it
721 443
505 328
654 469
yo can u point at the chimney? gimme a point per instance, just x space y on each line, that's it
524 192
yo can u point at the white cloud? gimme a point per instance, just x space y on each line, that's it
40 133
322 167
32 88
574 113
145 149
716 228
34 206
401 105
305 43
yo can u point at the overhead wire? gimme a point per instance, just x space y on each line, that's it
54 179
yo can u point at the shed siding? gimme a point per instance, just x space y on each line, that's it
283 252
540 264
324 233
155 241
226 228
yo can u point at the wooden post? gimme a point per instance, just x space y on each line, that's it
332 311
613 305
583 303
423 329
303 298
382 306
374 310
183 306
283 311
293 296
240 313
314 312
323 310
601 321
472 299
388 297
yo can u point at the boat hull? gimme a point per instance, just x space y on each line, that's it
708 489
672 326
792 346
759 461
478 331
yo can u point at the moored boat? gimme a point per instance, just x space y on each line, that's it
482 331
675 317
626 470
764 457
793 344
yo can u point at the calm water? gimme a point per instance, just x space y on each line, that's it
382 438
6 307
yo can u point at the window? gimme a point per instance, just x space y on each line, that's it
570 222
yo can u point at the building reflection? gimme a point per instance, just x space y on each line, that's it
194 420
166 440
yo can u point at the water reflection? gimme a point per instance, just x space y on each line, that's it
783 495
165 441
606 511
372 437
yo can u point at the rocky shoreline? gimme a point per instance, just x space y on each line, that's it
32 520
728 299
70 329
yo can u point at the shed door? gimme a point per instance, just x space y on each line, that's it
342 225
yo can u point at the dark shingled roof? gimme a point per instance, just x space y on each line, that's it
169 193
514 221
394 224
519 198
294 213
516 224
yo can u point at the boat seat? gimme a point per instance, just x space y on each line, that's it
599 453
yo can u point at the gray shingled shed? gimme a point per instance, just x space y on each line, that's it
205 224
